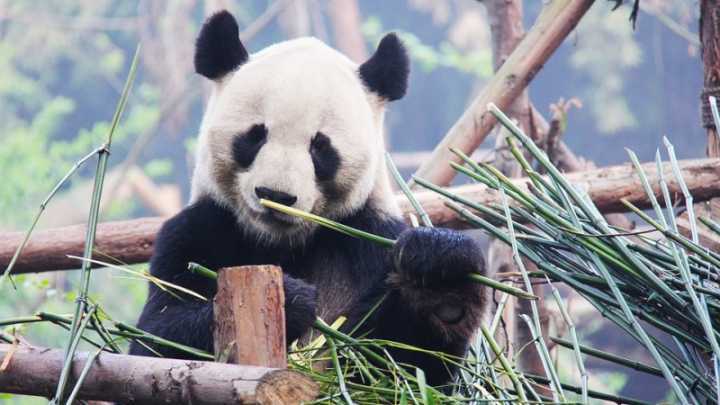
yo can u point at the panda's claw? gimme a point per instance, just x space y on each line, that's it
431 257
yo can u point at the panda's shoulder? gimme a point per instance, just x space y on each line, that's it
202 231
377 221
205 215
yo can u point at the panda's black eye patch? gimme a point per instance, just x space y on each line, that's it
246 146
325 157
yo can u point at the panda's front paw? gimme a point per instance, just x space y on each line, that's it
431 277
429 257
300 307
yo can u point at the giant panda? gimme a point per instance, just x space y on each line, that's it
300 124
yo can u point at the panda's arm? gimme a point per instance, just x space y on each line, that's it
179 317
206 233
188 323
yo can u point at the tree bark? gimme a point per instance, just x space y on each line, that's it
128 241
250 316
150 380
132 241
506 29
345 18
710 48
556 21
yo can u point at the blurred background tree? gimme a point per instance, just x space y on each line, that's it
62 65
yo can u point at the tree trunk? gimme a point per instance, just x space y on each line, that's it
150 380
132 241
345 18
710 48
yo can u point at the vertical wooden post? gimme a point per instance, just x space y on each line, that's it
250 316
710 48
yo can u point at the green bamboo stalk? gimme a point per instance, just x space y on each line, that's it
504 363
686 243
647 187
714 226
616 399
584 379
587 208
160 283
43 205
534 326
645 338
202 270
699 303
339 373
424 217
715 113
102 331
497 285
83 374
635 365
336 226
75 339
464 201
92 226
143 335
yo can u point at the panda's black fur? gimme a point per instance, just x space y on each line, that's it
429 302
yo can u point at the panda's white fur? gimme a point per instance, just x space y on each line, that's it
296 89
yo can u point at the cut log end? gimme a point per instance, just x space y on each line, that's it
286 387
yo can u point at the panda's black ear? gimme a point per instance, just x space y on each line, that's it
386 72
218 49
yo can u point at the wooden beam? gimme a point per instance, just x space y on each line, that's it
555 22
127 241
132 241
249 310
150 380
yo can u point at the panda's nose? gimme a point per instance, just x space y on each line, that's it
274 195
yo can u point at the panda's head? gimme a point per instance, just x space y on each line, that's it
297 123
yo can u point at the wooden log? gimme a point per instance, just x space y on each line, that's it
250 316
556 21
128 241
132 241
149 380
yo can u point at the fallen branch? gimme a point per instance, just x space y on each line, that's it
132 241
149 380
556 21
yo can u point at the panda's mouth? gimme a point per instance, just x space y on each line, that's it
277 218
272 219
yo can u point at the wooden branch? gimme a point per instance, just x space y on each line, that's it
149 380
250 316
132 241
557 19
124 241
346 20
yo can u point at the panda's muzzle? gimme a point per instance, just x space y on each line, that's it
279 197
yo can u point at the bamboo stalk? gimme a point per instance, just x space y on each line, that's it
93 215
